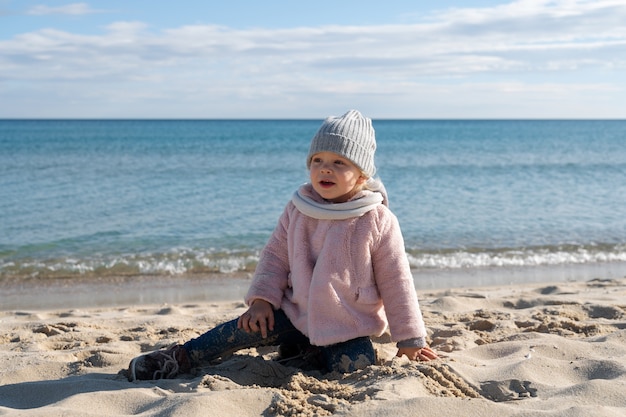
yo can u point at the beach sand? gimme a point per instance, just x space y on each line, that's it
538 349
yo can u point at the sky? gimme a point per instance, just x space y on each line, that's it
189 59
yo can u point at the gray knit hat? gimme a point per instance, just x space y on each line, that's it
351 136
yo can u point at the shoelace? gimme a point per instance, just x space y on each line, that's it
308 355
298 356
170 360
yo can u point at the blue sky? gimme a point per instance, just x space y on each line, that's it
287 59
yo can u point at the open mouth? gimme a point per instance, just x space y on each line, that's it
326 183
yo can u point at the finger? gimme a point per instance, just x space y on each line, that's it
428 352
263 327
246 322
270 321
428 355
252 325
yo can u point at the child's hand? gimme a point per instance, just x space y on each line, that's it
259 317
418 354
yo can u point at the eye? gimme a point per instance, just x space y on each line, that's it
339 162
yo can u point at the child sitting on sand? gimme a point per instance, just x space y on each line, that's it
333 273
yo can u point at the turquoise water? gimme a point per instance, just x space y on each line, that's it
102 198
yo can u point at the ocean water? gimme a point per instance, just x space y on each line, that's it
96 198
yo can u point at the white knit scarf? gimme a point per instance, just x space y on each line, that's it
336 211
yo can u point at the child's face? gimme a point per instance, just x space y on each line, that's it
335 178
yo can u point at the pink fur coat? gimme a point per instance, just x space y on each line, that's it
338 279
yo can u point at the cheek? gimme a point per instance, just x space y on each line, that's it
351 176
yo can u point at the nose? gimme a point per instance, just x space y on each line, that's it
325 168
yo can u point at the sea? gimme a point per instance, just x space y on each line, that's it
478 201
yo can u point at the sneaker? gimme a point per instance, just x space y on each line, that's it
162 364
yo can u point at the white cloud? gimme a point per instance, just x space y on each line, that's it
74 9
525 48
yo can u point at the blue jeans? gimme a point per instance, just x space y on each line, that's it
226 338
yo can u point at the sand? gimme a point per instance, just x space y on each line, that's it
515 350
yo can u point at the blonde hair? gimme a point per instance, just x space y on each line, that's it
376 185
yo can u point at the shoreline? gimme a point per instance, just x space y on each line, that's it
514 275
118 291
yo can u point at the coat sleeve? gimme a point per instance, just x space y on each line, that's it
394 280
272 272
